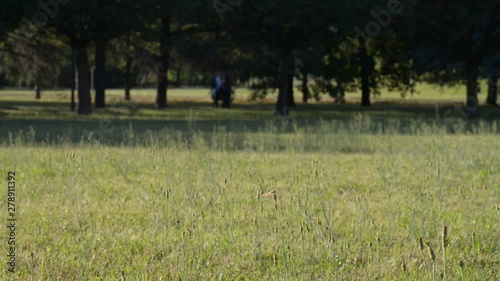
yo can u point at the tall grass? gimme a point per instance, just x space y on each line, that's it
272 135
330 201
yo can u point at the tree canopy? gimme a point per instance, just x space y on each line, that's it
331 47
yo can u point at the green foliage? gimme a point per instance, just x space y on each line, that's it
443 35
10 16
36 61
186 41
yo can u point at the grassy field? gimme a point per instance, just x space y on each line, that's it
335 192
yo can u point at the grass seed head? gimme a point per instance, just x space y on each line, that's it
431 252
445 236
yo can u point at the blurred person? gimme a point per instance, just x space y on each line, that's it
216 89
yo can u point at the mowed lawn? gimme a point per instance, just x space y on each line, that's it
195 103
332 193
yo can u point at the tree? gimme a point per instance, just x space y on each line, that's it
453 39
373 21
492 90
168 21
74 21
11 14
123 57
491 65
111 20
338 75
34 62
310 63
283 26
81 23
367 66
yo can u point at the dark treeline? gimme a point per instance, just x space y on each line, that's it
331 47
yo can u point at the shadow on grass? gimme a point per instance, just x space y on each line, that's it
46 109
53 122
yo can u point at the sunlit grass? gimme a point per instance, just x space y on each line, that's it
352 200
424 93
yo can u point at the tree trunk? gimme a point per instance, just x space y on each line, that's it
100 74
161 96
127 82
283 94
340 96
128 69
472 69
492 90
38 90
291 98
365 73
227 89
82 64
306 95
73 76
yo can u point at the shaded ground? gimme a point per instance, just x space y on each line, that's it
50 117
